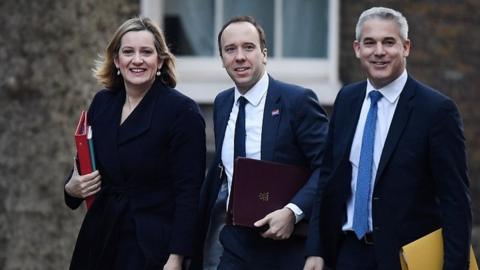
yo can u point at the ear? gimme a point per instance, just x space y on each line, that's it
264 52
406 47
223 60
356 48
115 61
160 63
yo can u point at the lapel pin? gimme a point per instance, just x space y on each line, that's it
275 112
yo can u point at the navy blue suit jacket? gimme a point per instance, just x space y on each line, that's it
296 135
421 182
152 167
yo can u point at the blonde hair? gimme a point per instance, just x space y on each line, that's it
105 70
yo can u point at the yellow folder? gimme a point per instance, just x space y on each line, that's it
426 253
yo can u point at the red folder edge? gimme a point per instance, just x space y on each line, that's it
83 152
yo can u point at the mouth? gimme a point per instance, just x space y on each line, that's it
137 70
241 69
379 63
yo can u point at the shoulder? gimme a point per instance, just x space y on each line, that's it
224 95
294 97
352 89
102 99
424 92
105 95
176 98
290 91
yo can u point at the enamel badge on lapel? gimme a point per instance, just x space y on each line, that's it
275 112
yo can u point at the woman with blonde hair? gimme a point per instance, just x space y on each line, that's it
149 143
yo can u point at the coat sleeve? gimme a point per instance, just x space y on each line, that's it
449 169
187 166
311 126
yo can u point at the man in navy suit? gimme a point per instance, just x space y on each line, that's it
283 123
395 164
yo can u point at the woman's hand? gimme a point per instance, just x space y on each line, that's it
174 262
82 186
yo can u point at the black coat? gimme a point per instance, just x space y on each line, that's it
152 168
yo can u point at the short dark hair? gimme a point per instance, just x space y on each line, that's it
249 19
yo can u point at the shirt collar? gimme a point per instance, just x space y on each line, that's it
391 91
256 93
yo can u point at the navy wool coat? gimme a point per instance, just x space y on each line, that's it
152 166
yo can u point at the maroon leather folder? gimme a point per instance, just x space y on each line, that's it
261 187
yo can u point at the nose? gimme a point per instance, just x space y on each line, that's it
379 50
137 59
240 56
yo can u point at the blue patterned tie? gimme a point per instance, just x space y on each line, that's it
364 178
240 133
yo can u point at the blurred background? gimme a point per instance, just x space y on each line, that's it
47 50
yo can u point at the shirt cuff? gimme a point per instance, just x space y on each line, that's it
296 211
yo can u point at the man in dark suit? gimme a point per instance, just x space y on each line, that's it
282 123
395 163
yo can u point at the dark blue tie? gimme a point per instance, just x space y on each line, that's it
240 133
364 177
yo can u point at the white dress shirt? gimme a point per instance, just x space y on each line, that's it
386 110
254 108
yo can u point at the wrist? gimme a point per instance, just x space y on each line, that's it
67 189
290 213
175 258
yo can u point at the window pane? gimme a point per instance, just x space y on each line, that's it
261 10
189 26
305 28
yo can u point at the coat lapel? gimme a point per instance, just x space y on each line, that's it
399 121
271 118
105 134
224 108
138 122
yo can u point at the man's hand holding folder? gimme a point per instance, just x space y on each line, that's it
260 192
280 224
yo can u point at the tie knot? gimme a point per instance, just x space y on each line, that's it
375 96
242 101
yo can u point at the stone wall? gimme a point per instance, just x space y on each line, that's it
47 50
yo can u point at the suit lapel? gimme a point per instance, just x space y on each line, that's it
271 118
399 121
224 107
351 122
349 113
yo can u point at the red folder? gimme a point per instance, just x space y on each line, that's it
261 187
84 153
